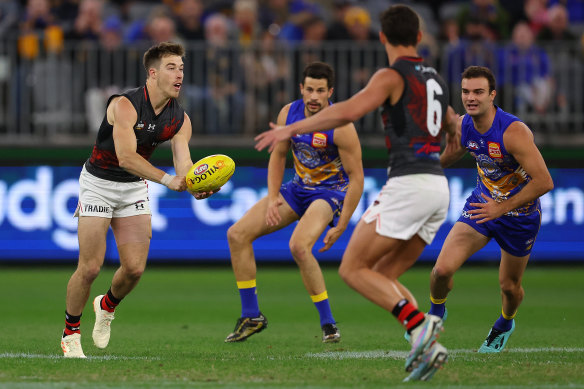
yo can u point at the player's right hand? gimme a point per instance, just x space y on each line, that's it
270 138
331 237
272 215
204 195
178 184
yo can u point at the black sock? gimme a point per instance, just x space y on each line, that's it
72 324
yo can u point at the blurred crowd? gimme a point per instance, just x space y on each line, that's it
117 22
510 37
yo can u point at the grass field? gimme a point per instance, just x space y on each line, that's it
169 333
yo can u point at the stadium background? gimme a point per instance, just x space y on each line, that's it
60 60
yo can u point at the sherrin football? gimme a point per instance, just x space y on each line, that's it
210 173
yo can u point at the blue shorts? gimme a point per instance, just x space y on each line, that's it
514 234
299 199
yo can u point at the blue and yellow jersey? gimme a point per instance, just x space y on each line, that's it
316 157
500 176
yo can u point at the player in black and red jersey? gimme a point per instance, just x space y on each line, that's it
413 204
113 189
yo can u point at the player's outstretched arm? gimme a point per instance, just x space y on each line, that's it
518 141
349 147
122 115
381 85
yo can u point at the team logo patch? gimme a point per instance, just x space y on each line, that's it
139 126
319 139
495 150
473 145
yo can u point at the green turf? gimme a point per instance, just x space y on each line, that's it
169 333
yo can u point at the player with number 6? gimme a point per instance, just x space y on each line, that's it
408 212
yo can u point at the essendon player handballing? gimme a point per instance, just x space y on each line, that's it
113 190
413 204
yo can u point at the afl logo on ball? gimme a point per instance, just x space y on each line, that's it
201 169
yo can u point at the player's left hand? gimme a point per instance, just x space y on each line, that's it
485 212
272 137
204 195
331 237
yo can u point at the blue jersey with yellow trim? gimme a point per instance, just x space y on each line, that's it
316 157
500 176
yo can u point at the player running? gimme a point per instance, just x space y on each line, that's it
504 206
325 191
408 212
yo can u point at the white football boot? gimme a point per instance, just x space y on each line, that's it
422 338
431 360
71 345
101 329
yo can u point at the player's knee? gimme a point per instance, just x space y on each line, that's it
89 272
236 235
440 273
511 288
345 273
134 273
300 251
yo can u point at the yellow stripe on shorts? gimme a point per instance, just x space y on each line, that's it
319 297
246 284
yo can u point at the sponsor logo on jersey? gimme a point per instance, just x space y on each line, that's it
319 140
151 127
139 126
425 69
201 168
495 150
473 145
95 208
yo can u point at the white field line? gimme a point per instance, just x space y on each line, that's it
53 356
372 354
392 354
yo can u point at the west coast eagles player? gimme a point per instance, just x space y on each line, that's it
325 191
504 206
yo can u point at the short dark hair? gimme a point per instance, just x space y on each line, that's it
481 72
153 55
400 24
319 70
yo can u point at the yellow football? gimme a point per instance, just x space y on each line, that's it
210 173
